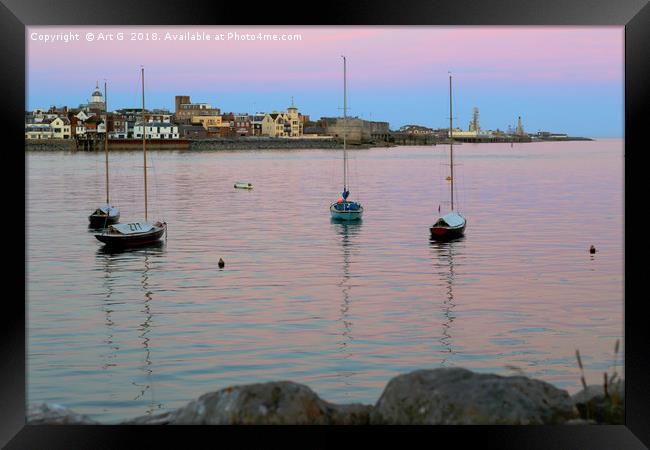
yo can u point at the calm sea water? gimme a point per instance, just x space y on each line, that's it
340 308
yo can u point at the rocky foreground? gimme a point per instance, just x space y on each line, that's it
446 396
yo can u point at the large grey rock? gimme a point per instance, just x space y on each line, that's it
52 414
594 405
274 403
458 396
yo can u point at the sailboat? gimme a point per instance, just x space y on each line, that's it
136 233
451 225
345 209
105 214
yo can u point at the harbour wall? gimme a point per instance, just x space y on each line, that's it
248 143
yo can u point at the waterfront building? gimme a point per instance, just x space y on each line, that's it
207 121
239 124
256 123
192 132
61 128
94 125
185 110
357 130
119 127
156 130
273 124
416 129
38 131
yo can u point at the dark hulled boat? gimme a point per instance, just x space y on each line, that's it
133 234
448 227
103 216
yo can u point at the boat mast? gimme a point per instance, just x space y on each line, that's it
345 130
451 146
106 139
144 148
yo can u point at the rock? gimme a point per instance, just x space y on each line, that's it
594 405
580 422
52 414
158 419
274 403
452 396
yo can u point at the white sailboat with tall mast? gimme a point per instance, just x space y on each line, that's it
105 214
345 209
451 225
142 232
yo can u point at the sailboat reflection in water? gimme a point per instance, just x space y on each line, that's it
444 253
132 258
348 231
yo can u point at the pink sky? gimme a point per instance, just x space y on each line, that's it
574 63
379 54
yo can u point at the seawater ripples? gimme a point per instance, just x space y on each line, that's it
339 307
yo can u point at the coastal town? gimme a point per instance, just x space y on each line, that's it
85 126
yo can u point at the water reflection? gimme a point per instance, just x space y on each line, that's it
348 233
145 329
444 265
107 307
154 248
116 260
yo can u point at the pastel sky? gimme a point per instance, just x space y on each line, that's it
562 79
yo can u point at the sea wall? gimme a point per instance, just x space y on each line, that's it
248 143
444 396
262 143
52 145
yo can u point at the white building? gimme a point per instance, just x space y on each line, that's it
61 128
156 130
38 131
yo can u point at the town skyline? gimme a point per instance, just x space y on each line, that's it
572 83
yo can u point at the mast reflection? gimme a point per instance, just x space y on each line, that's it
445 252
114 260
107 305
348 233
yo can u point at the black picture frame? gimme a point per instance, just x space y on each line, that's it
15 15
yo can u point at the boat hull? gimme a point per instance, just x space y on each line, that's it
442 233
99 221
132 240
346 215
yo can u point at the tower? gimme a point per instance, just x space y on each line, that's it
520 127
181 100
97 102
294 119
474 124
